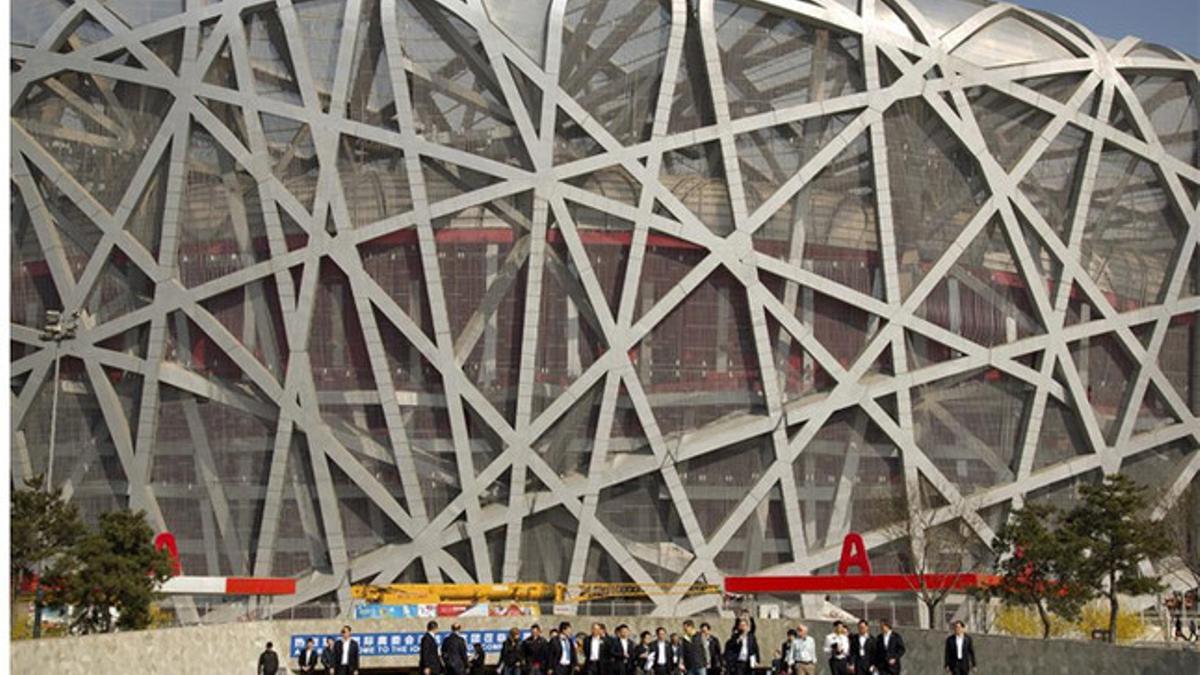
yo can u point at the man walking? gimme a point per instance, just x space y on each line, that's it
595 651
454 652
429 662
712 650
535 651
960 653
622 652
891 650
801 656
862 650
837 649
345 654
694 649
741 652
662 664
268 661
562 651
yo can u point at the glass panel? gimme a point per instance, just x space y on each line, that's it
937 187
718 481
1008 126
699 364
98 129
1107 372
1010 41
456 97
639 513
1133 230
984 297
971 426
612 62
696 175
849 478
1174 112
773 61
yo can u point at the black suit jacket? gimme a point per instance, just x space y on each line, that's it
307 660
968 658
555 652
454 654
893 650
733 650
714 654
535 652
863 655
430 656
619 661
605 650
337 654
693 651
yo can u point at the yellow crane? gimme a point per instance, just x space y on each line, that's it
421 594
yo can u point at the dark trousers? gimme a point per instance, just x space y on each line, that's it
339 669
839 666
959 667
741 668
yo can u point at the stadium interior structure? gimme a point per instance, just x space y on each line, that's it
593 290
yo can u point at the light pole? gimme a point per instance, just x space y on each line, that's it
56 330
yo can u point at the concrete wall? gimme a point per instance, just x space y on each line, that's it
234 648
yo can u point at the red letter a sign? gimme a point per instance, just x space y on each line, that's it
854 554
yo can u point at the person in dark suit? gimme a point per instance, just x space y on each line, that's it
478 660
890 649
308 658
430 661
268 661
661 660
621 651
535 652
741 652
862 650
960 652
694 649
510 654
345 654
562 651
454 652
327 656
596 651
643 655
712 659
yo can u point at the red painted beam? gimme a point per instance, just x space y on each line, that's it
899 583
260 586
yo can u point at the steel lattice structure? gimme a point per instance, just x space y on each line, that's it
594 289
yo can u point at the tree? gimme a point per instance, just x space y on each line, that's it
1115 535
936 542
1181 521
1035 562
44 531
118 571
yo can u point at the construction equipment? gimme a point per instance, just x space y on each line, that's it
422 594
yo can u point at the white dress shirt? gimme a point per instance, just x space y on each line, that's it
345 652
662 653
565 659
841 641
595 650
958 642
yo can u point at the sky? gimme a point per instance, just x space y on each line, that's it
1173 23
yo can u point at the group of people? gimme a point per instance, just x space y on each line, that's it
697 651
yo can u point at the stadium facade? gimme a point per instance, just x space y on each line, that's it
594 290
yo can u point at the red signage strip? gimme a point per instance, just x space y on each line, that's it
259 586
899 583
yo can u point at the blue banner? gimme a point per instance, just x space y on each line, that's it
405 643
386 611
